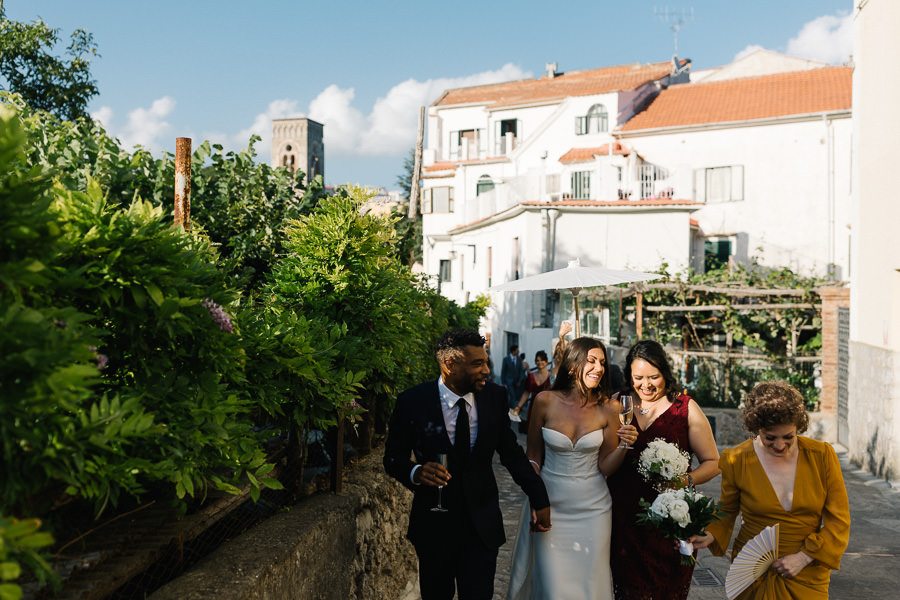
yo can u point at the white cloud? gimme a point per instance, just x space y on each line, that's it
104 116
390 126
828 39
262 125
146 126
748 50
344 124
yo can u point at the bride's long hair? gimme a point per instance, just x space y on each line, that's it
571 367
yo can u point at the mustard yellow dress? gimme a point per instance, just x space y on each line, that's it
818 522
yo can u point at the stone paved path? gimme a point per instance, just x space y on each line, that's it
869 569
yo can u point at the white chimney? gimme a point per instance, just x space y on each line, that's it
551 70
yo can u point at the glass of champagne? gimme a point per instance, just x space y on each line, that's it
625 414
441 458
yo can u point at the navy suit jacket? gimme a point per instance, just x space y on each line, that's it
512 371
417 434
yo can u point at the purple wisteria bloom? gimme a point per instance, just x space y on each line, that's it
218 315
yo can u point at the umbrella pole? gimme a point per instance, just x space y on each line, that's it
577 319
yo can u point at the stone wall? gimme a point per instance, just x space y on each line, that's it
729 428
875 410
327 547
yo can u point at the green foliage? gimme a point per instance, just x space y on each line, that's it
89 286
20 543
769 331
30 67
343 271
50 415
240 204
778 334
294 364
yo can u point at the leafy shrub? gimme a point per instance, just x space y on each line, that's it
20 541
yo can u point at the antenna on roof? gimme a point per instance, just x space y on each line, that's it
675 18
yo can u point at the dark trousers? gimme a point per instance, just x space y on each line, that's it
466 566
513 393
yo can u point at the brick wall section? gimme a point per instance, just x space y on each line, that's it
832 299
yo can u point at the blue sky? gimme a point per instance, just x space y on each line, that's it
221 70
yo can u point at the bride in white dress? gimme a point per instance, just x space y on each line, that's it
571 445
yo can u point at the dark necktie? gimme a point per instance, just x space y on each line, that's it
461 443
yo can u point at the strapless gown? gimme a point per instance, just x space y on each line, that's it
571 561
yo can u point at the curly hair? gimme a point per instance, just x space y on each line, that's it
774 403
652 352
571 367
540 355
450 345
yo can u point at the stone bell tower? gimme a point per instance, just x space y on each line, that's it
299 144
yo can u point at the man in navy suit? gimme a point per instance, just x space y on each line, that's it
512 374
457 549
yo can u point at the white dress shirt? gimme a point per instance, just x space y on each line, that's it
451 412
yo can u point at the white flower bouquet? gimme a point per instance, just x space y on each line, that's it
678 514
663 463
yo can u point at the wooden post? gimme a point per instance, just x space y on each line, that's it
639 318
417 168
183 182
619 327
577 316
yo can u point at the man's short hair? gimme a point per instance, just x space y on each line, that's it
513 348
450 346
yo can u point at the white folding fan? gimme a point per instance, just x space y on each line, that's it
752 561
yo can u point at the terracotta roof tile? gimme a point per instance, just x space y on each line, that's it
575 155
440 166
768 96
564 85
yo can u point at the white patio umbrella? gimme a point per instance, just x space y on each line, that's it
573 278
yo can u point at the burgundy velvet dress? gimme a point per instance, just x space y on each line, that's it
534 388
646 565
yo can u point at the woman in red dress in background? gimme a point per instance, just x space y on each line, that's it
646 565
536 382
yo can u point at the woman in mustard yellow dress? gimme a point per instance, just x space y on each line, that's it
781 477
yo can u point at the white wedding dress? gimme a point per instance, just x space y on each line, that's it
571 561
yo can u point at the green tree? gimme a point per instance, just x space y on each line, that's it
29 66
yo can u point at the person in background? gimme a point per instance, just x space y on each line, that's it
559 347
535 382
645 564
779 476
464 417
512 374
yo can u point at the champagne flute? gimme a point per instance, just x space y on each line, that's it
625 414
441 458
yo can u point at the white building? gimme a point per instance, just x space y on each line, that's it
632 167
874 318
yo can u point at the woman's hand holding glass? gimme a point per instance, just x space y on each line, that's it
627 432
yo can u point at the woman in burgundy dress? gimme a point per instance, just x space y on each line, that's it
646 565
536 382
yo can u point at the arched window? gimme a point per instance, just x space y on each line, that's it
485 184
595 121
